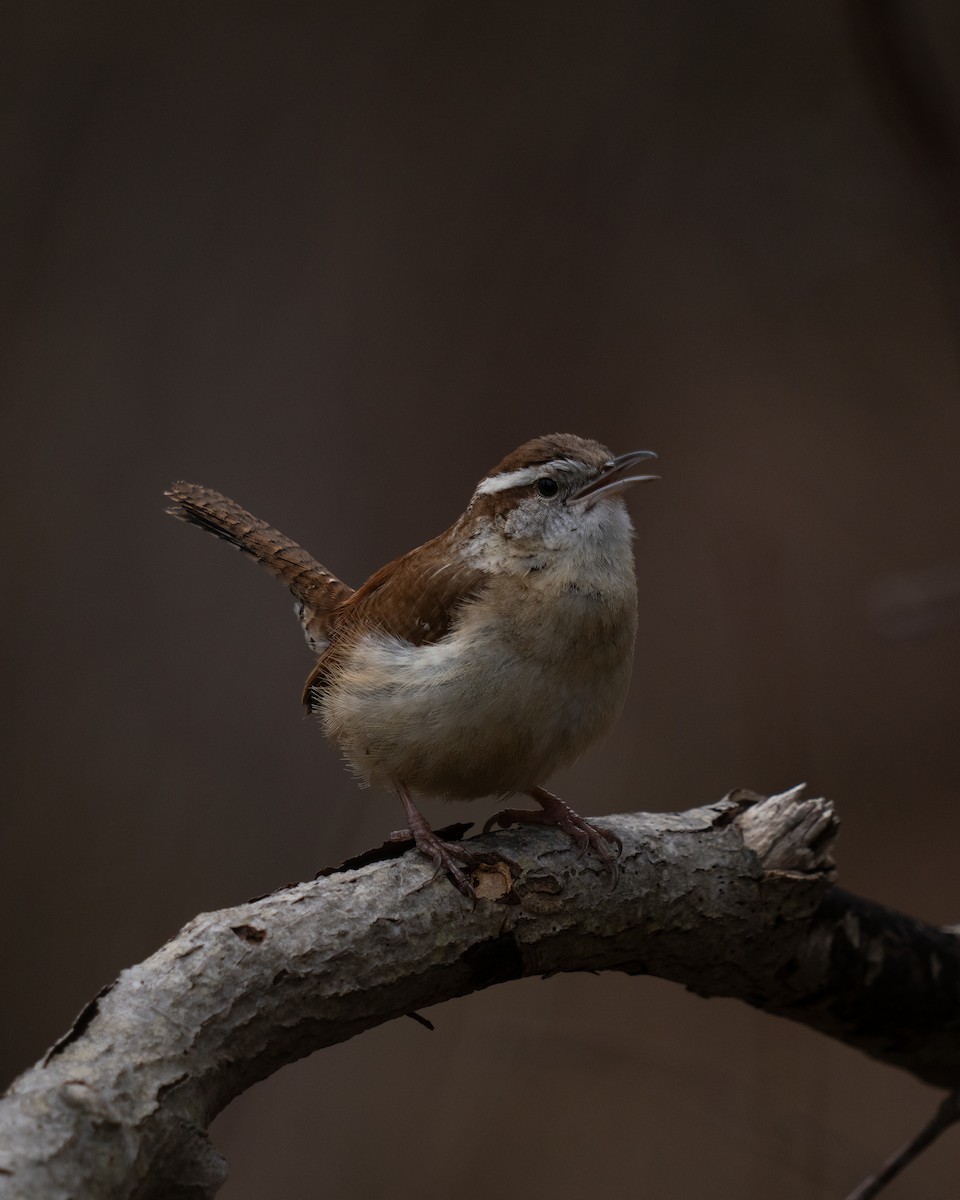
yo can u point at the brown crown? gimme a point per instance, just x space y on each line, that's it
554 445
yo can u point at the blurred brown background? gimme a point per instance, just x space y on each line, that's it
336 260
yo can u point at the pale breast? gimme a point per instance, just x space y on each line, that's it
520 687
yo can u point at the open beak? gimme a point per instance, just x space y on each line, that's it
611 480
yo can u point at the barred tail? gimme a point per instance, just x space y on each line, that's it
316 591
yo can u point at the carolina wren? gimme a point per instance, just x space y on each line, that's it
487 658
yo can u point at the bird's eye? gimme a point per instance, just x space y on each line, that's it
547 486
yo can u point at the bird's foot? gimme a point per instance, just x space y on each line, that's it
553 811
447 857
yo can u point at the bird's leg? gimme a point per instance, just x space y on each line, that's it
555 812
445 855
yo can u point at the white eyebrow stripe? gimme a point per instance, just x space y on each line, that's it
511 479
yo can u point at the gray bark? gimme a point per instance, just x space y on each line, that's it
734 899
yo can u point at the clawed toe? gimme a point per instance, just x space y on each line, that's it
553 811
515 816
596 837
444 857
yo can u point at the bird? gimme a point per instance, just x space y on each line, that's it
484 660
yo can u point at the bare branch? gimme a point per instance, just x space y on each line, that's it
733 899
946 1115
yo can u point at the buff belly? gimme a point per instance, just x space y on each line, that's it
480 713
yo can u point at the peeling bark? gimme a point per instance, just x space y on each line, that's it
733 899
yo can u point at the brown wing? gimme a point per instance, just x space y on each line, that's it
415 598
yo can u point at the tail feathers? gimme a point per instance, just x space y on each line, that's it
316 591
